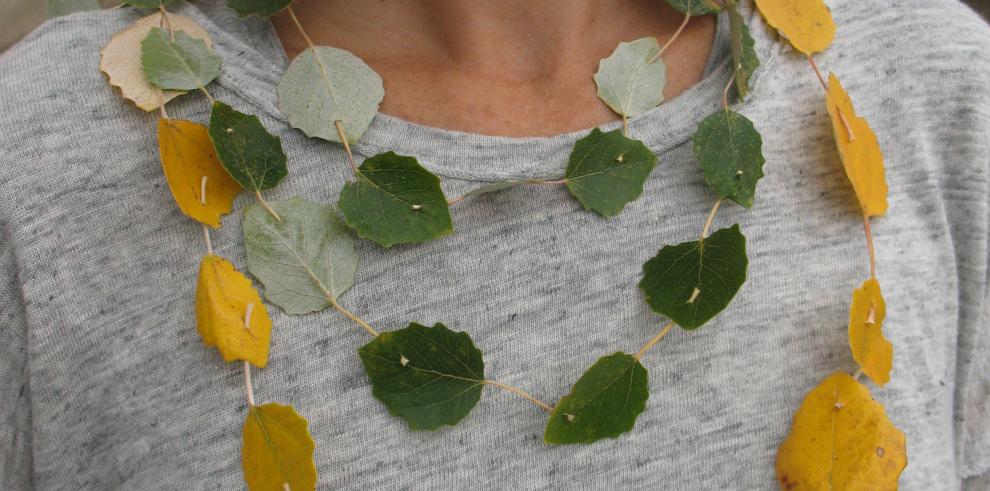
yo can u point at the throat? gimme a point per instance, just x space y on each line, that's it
504 67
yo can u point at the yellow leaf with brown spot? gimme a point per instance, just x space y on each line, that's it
869 347
807 24
841 439
277 450
230 314
120 59
187 159
858 149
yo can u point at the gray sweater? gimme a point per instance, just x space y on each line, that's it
104 382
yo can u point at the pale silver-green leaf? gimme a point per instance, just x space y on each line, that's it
177 61
324 85
632 78
304 260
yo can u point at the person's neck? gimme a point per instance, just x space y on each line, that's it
498 67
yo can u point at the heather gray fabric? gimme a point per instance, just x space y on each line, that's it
104 382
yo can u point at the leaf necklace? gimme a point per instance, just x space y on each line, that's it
431 376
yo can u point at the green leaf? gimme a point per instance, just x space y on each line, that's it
303 258
744 57
146 4
251 155
58 8
395 201
428 376
731 154
607 170
260 8
632 78
277 449
324 85
695 7
184 64
604 402
692 282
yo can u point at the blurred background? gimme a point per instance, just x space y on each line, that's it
19 17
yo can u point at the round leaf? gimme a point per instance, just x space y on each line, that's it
324 85
260 8
869 347
277 450
201 187
224 299
731 154
604 402
428 376
251 154
186 63
632 78
394 200
692 282
695 7
302 259
841 437
807 24
607 170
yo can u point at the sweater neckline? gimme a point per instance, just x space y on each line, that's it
463 155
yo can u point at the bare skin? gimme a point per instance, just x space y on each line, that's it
498 67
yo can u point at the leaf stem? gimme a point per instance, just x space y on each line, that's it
264 204
525 395
725 92
295 20
858 374
656 339
818 73
347 146
869 246
677 33
206 236
350 315
711 217
625 126
248 386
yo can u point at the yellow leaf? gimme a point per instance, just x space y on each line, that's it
858 149
869 348
807 24
120 59
278 450
187 157
841 439
224 299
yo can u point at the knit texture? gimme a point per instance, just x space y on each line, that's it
104 382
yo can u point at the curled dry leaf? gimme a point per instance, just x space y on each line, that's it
869 347
807 24
201 187
859 150
841 439
230 314
120 59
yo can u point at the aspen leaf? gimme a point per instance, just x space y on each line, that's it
305 260
807 24
869 347
427 376
260 8
632 78
249 153
325 85
744 57
224 300
120 59
183 64
191 167
858 149
695 7
58 8
607 170
731 154
841 439
604 403
693 281
277 450
394 200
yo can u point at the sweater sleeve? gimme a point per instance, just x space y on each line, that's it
15 408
